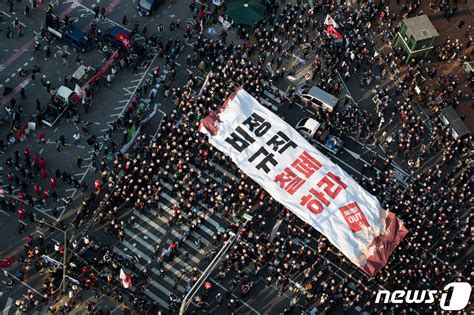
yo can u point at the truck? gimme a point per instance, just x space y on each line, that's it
67 96
311 129
68 34
61 101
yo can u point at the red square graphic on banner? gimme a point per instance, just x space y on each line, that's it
354 217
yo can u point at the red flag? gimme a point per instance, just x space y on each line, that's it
2 193
126 281
124 39
332 31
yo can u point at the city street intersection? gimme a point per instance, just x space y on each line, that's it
152 232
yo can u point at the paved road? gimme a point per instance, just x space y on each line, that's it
151 229
108 104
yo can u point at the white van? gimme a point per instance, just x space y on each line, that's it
317 98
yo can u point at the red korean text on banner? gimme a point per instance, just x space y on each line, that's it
289 181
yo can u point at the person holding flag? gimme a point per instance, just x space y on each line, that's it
126 280
331 26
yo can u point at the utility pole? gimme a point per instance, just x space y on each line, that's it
63 282
188 298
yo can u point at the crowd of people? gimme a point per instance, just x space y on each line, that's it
433 205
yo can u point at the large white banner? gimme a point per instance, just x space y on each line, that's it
305 181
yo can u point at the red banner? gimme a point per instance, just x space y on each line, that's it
99 73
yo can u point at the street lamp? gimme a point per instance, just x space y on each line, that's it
63 282
188 298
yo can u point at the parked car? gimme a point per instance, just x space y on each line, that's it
147 7
311 129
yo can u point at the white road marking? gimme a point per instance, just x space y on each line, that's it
6 310
6 14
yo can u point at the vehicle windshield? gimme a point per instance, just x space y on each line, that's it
302 122
146 4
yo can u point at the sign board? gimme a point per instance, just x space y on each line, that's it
75 281
304 180
51 260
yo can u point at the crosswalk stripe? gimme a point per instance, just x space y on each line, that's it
154 283
182 263
138 239
191 244
206 218
175 233
201 179
168 279
193 258
139 253
173 201
156 298
146 232
225 172
121 252
159 287
271 96
265 102
150 222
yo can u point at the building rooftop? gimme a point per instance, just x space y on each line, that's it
420 27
